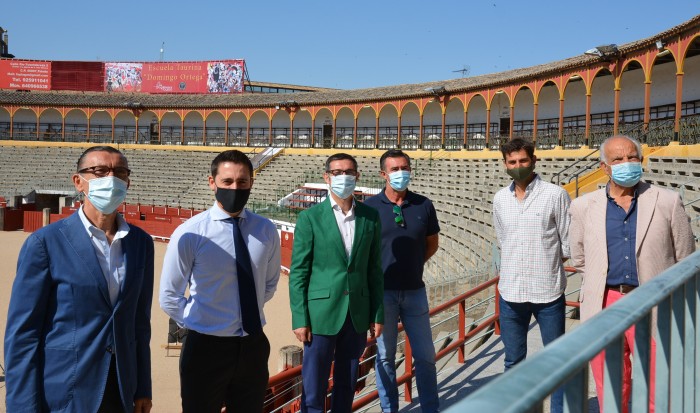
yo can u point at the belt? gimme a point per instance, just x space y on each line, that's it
622 289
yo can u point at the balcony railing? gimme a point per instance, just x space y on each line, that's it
675 294
473 303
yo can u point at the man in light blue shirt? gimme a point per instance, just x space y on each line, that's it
229 258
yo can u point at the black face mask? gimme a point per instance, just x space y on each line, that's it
232 200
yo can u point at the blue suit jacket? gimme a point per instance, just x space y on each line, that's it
62 329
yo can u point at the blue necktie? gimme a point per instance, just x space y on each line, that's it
250 314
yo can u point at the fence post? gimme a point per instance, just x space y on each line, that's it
46 217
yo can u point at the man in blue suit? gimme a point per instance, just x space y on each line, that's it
78 325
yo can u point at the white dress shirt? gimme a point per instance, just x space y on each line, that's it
346 224
109 256
533 234
201 255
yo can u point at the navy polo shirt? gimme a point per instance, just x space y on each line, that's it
403 248
621 234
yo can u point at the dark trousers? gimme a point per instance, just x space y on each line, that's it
345 349
111 400
217 371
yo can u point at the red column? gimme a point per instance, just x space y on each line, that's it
442 144
560 138
679 106
420 131
466 123
247 132
488 127
647 103
354 134
204 130
398 131
313 131
291 130
510 126
376 132
616 121
225 132
534 122
587 139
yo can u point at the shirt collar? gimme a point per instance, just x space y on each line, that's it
122 225
634 197
218 214
382 196
336 207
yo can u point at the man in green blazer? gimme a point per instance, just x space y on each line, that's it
336 287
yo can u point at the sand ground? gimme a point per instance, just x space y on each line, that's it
166 383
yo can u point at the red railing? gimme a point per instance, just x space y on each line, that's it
281 381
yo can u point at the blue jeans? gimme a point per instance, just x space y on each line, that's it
411 306
515 321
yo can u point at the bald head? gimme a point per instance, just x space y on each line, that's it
618 142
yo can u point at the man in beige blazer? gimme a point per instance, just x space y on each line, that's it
622 236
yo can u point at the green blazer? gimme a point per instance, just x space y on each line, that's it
324 284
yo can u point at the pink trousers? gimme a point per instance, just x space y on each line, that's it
598 362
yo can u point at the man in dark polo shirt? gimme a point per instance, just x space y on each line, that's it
409 238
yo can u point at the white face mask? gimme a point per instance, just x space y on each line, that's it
343 185
106 193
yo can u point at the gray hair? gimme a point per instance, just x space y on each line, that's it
605 142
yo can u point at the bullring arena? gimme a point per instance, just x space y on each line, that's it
648 89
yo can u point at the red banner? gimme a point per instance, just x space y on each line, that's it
25 75
224 76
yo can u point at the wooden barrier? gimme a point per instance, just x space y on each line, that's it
158 225
158 217
33 220
286 244
14 219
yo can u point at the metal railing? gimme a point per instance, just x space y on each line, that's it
675 293
472 303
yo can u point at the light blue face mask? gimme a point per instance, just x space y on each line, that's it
343 185
399 180
106 193
626 174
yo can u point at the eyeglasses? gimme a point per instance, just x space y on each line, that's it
102 171
399 216
336 172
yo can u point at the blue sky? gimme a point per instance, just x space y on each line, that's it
336 44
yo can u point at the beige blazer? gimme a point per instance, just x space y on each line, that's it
664 237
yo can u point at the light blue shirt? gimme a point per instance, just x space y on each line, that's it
109 256
201 255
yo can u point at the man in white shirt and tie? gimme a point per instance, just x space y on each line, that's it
229 258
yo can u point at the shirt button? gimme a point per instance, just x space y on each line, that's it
625 222
346 292
627 258
109 350
625 239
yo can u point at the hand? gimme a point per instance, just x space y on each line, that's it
303 334
375 330
142 405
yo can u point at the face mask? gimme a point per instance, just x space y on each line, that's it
399 180
343 185
522 173
232 200
626 174
106 193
